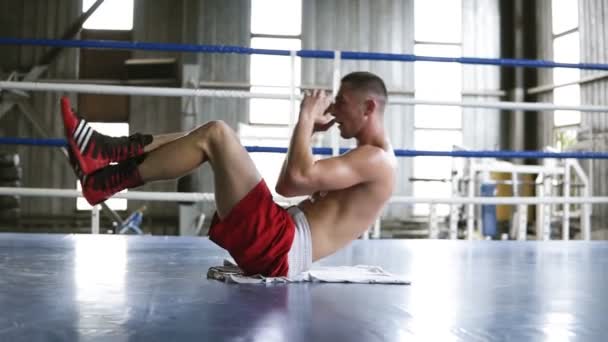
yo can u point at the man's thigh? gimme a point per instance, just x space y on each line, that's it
235 173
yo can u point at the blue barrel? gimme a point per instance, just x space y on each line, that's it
488 212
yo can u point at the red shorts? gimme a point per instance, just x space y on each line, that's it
257 233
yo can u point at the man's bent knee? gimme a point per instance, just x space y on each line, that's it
212 129
212 133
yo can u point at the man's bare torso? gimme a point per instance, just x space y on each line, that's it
338 217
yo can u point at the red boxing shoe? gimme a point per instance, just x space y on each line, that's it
106 182
94 151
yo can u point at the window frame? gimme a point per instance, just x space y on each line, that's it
268 164
422 210
557 37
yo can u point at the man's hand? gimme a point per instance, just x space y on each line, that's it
316 107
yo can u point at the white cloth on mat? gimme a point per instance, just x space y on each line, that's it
360 274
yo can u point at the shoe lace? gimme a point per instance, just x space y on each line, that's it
112 176
116 148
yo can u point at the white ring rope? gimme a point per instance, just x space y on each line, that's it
189 92
131 90
208 197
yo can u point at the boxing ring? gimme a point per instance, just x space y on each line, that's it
135 288
131 288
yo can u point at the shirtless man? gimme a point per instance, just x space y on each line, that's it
347 192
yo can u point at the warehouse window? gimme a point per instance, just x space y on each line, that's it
436 127
111 15
269 118
427 18
566 49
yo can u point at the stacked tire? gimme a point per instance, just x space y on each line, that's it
10 176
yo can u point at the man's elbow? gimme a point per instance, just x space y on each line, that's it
289 186
282 189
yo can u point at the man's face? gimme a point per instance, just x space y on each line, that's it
348 109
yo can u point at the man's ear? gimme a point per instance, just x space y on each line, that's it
370 106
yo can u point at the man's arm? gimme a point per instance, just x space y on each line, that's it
301 175
354 167
299 156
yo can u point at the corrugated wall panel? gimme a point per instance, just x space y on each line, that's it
593 24
370 26
593 133
480 29
388 26
192 22
187 21
43 167
222 23
545 75
160 23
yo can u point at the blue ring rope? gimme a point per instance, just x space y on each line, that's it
328 54
58 142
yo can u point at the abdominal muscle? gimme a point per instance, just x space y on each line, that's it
338 217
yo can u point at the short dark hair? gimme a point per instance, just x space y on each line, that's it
367 82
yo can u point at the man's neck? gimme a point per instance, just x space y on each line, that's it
372 135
